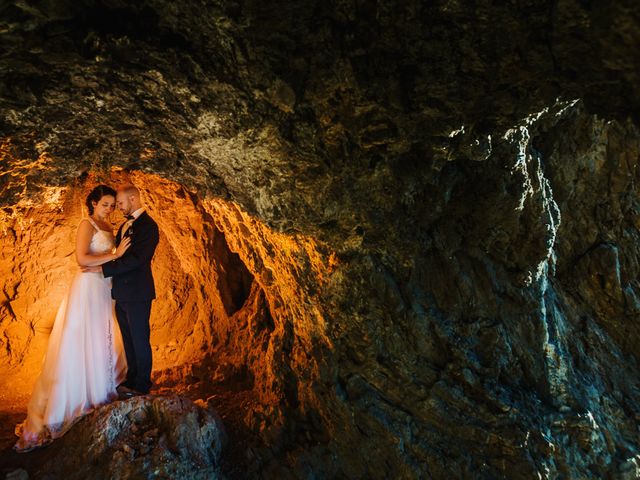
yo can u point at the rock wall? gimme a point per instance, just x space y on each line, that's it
405 232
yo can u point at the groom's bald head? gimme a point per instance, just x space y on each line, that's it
128 199
129 189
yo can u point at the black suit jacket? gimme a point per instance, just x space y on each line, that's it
132 277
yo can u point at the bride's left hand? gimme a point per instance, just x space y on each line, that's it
124 245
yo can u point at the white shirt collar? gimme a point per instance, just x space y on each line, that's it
138 212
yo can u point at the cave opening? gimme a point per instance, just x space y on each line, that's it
235 280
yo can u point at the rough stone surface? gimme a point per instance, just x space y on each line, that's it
399 239
145 437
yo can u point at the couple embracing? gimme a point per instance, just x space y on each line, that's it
89 360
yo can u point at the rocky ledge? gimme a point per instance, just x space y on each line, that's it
144 437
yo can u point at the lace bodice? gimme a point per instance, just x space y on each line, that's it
102 240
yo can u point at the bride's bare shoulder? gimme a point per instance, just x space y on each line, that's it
85 226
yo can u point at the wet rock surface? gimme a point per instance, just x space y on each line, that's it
407 234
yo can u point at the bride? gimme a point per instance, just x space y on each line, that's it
85 357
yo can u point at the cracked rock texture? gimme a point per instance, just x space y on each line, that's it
399 239
146 437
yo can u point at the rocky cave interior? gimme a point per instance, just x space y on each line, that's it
398 240
224 282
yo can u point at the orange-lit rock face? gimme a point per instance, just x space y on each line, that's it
233 296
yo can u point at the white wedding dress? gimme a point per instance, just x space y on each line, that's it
85 358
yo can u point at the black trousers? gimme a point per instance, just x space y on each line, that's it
133 318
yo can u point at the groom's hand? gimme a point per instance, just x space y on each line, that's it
92 269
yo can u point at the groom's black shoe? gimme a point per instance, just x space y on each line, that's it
126 392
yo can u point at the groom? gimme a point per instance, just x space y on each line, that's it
133 289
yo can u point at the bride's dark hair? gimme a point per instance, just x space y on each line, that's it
96 194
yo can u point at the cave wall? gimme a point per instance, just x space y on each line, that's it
209 255
38 245
437 204
236 306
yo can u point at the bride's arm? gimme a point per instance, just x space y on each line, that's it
83 240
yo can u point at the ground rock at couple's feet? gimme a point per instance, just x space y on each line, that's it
18 474
143 437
